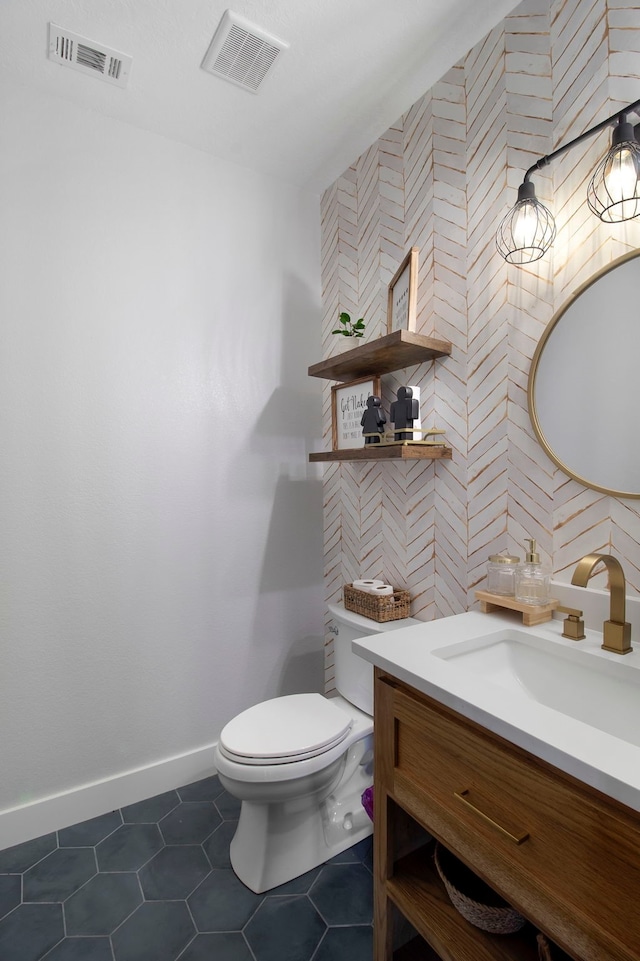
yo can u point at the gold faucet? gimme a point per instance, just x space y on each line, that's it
616 631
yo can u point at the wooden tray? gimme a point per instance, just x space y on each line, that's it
532 614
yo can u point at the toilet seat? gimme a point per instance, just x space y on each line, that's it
285 729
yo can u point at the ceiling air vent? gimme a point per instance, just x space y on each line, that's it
95 59
242 53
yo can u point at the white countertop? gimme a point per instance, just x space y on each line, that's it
605 761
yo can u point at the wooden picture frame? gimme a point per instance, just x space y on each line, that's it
403 295
348 403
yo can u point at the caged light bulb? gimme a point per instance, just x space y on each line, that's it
528 230
620 174
613 193
525 224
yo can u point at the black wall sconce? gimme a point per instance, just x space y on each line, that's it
613 194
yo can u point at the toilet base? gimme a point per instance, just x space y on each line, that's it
266 855
275 843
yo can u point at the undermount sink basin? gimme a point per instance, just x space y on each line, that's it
576 683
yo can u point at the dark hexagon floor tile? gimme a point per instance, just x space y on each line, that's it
285 929
222 903
151 810
354 943
174 873
91 832
9 893
82 949
364 851
300 885
218 947
58 875
128 848
206 790
228 806
190 823
30 931
217 845
158 931
361 852
102 904
20 857
345 857
343 894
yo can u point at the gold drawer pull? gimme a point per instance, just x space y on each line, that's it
517 838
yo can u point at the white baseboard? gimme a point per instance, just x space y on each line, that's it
48 814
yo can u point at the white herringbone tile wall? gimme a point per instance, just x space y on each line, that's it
440 179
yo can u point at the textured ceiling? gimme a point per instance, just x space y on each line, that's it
353 67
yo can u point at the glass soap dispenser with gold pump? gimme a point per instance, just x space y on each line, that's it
532 579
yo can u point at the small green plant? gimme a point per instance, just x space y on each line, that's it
349 329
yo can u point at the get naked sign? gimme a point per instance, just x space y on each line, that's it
348 403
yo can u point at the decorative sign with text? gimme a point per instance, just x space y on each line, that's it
403 295
348 403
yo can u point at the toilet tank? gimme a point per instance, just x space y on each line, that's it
354 675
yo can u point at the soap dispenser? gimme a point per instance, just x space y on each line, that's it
532 579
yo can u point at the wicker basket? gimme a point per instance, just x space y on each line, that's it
389 607
474 899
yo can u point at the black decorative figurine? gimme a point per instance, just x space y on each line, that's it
373 420
404 411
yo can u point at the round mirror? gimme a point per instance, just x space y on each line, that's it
584 384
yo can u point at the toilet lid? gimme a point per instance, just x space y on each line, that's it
285 729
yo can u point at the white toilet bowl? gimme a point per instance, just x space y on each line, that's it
297 814
300 764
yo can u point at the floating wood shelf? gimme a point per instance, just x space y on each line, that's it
392 352
385 452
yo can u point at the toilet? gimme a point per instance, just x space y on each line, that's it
300 764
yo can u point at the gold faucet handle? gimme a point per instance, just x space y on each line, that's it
573 627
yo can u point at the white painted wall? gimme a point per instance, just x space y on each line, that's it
160 528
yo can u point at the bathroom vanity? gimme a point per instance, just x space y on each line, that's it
541 804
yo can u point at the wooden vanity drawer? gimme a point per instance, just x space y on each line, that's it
555 848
